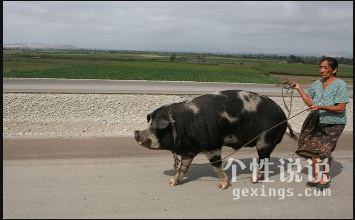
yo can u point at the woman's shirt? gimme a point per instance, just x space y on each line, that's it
336 92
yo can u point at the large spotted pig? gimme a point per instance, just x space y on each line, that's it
208 122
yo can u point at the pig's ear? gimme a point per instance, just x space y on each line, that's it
149 117
160 123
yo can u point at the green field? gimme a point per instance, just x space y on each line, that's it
153 66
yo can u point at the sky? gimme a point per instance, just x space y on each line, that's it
232 27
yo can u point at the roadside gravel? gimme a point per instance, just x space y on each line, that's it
49 115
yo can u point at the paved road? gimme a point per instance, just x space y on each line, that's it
116 178
131 87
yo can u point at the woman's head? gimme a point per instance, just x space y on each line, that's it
328 65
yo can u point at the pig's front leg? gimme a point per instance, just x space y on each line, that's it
186 160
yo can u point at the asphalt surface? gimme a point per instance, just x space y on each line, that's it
117 178
134 87
130 87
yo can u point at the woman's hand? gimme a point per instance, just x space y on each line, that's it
306 99
295 85
315 108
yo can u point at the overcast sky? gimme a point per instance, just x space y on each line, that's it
320 27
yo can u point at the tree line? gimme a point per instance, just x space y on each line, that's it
201 57
299 59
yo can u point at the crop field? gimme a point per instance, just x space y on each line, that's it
155 66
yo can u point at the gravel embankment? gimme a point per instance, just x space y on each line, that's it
99 115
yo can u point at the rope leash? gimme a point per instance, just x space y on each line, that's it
286 85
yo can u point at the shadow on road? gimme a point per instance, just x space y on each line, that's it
276 167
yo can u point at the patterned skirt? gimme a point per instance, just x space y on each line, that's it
318 140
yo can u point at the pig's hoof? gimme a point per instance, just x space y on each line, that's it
255 175
223 184
174 182
255 179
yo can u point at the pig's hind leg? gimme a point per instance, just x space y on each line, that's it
216 161
264 151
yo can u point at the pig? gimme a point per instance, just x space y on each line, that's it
204 124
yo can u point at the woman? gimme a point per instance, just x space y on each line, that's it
327 99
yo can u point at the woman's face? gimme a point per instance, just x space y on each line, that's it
326 70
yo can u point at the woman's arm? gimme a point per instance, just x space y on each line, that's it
306 99
337 108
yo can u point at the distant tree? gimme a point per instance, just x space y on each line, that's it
173 57
295 59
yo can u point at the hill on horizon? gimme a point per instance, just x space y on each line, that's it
38 46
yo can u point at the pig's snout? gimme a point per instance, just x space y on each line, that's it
136 135
142 139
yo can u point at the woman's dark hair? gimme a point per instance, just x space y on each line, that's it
333 63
